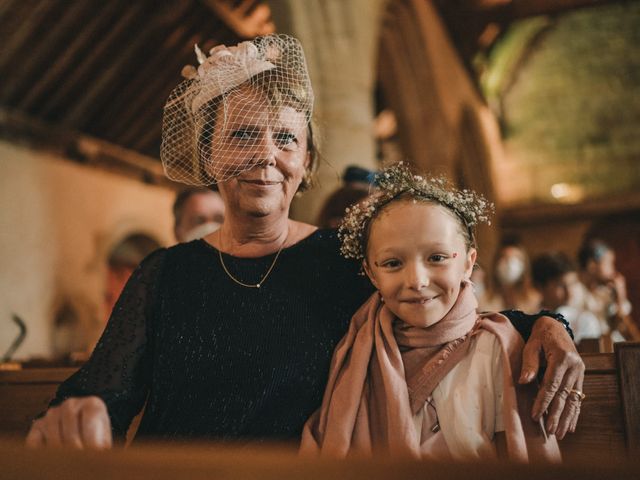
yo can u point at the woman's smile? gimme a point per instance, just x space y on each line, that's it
262 183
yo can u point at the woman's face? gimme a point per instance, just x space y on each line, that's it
417 259
267 147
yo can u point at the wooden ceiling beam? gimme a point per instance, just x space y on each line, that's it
89 65
152 97
153 88
59 66
131 59
147 110
45 48
8 10
84 149
18 33
116 117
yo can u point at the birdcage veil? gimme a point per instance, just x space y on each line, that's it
218 121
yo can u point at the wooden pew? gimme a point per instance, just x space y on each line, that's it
24 394
272 462
609 424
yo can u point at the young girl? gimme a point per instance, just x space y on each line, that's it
420 372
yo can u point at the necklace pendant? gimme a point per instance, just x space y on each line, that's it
249 285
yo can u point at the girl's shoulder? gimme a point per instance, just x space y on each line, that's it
486 343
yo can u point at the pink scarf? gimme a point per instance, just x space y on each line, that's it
383 371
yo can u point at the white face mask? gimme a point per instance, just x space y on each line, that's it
478 288
510 270
200 231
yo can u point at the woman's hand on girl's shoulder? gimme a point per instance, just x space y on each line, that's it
561 391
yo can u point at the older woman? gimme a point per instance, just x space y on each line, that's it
230 337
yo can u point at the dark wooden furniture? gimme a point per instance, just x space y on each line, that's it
271 462
24 394
609 425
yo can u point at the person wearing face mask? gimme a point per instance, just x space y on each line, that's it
556 277
603 291
197 213
512 288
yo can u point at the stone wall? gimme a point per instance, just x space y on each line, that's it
571 107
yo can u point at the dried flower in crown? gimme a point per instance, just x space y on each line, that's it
398 180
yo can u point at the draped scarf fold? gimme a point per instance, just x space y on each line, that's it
384 370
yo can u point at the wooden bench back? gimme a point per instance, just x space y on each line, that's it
26 393
609 423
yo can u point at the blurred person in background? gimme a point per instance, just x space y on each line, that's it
357 183
556 277
603 291
511 287
197 213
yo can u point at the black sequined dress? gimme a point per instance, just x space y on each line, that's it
217 359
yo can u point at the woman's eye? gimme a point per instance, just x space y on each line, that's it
244 134
437 258
284 139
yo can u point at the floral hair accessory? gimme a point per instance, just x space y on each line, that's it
213 121
225 68
398 181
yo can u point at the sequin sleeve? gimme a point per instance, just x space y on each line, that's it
524 322
119 369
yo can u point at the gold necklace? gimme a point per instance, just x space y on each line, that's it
262 280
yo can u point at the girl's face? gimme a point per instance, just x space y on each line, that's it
417 259
269 148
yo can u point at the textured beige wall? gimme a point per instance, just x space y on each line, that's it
58 222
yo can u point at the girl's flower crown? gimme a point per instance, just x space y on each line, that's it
398 180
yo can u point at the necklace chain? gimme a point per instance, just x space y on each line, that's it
262 280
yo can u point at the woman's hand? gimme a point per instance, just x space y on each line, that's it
81 422
561 390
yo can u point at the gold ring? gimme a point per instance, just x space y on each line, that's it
581 396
